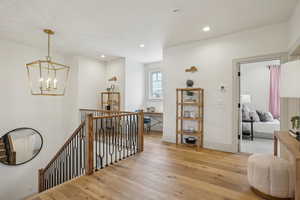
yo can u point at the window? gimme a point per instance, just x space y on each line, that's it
155 85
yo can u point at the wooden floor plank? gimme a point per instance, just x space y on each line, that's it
162 172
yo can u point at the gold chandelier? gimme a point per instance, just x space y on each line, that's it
47 77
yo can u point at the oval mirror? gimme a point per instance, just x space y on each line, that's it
20 146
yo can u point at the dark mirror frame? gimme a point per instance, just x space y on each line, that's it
25 128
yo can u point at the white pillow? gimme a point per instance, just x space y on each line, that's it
254 116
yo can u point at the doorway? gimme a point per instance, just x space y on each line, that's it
257 97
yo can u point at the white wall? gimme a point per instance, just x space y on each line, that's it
55 117
134 85
255 81
158 104
70 100
214 58
294 27
91 81
117 68
20 109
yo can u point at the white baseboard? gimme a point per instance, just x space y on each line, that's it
209 145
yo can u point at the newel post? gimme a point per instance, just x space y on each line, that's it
141 131
41 180
90 145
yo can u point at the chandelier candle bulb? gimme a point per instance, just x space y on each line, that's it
48 83
55 83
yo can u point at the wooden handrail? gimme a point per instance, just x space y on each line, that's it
66 144
115 115
104 111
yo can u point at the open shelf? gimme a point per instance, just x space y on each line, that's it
110 100
189 102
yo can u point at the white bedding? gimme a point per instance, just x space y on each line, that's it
263 129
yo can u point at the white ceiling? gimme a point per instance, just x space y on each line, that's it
117 27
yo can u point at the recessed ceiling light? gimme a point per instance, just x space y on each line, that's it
206 28
103 56
141 45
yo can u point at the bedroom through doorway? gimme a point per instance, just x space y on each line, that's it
260 105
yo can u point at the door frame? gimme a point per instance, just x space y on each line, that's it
282 56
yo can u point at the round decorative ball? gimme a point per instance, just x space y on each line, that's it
189 83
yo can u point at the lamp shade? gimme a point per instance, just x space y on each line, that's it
245 98
290 76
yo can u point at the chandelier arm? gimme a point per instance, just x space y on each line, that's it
48 46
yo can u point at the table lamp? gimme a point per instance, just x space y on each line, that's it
245 99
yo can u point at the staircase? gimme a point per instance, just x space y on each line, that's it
102 139
3 155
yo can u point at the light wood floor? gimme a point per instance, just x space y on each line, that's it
162 171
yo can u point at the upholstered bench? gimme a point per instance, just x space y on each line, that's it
270 176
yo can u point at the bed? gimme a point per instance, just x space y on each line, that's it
263 129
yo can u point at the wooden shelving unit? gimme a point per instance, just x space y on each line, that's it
189 116
110 101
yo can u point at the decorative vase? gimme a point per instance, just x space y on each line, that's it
189 83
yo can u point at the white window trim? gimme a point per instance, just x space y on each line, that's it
149 87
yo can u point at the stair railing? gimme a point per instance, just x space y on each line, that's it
102 139
116 137
68 162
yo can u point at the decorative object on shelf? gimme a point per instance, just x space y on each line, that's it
189 116
190 98
19 146
190 94
295 130
151 109
113 85
192 69
190 140
190 129
47 77
189 83
114 78
296 123
110 100
192 114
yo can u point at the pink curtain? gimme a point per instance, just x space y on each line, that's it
274 101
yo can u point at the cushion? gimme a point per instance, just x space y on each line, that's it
265 116
245 113
271 175
269 117
254 116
